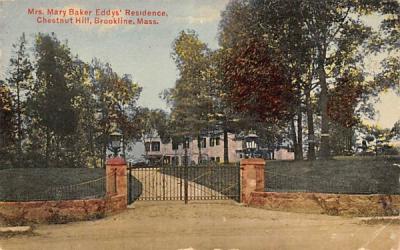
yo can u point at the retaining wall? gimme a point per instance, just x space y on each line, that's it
252 194
19 213
332 204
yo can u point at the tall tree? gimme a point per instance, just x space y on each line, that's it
52 99
20 79
258 85
287 45
190 99
6 122
115 100
315 41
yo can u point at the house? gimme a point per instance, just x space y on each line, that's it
211 149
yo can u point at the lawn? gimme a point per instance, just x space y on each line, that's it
348 175
356 175
19 184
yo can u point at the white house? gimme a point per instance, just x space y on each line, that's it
211 149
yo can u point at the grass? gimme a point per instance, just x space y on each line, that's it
340 175
49 183
348 175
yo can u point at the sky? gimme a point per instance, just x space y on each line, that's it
141 51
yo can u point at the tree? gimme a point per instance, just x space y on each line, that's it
223 118
20 79
287 46
115 100
6 121
316 45
258 86
67 106
389 43
52 98
338 32
190 99
395 131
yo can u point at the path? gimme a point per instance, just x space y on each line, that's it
173 225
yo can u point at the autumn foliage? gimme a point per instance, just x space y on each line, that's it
343 100
258 84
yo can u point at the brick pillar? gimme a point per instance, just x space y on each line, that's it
252 177
116 167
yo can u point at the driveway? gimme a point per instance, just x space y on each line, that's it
159 186
211 225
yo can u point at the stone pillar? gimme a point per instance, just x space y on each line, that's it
116 167
252 177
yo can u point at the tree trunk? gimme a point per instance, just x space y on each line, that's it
47 153
19 119
199 146
325 149
294 138
299 133
226 147
124 146
19 124
104 149
310 126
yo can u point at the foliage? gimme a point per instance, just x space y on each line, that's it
190 98
154 123
343 101
6 121
67 107
20 80
318 44
257 85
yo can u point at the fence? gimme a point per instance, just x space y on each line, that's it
276 182
195 182
85 190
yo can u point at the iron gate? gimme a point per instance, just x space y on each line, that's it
198 182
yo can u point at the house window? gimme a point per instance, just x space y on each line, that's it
217 141
155 146
212 142
203 142
167 160
203 159
217 159
186 144
212 159
147 146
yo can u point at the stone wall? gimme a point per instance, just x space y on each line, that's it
332 204
19 213
252 193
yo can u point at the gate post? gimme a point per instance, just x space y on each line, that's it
252 177
116 179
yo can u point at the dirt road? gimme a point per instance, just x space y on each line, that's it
173 225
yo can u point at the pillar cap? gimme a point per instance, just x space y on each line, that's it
252 161
116 161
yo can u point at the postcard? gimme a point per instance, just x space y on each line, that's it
224 124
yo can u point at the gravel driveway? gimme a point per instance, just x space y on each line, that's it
211 225
159 186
